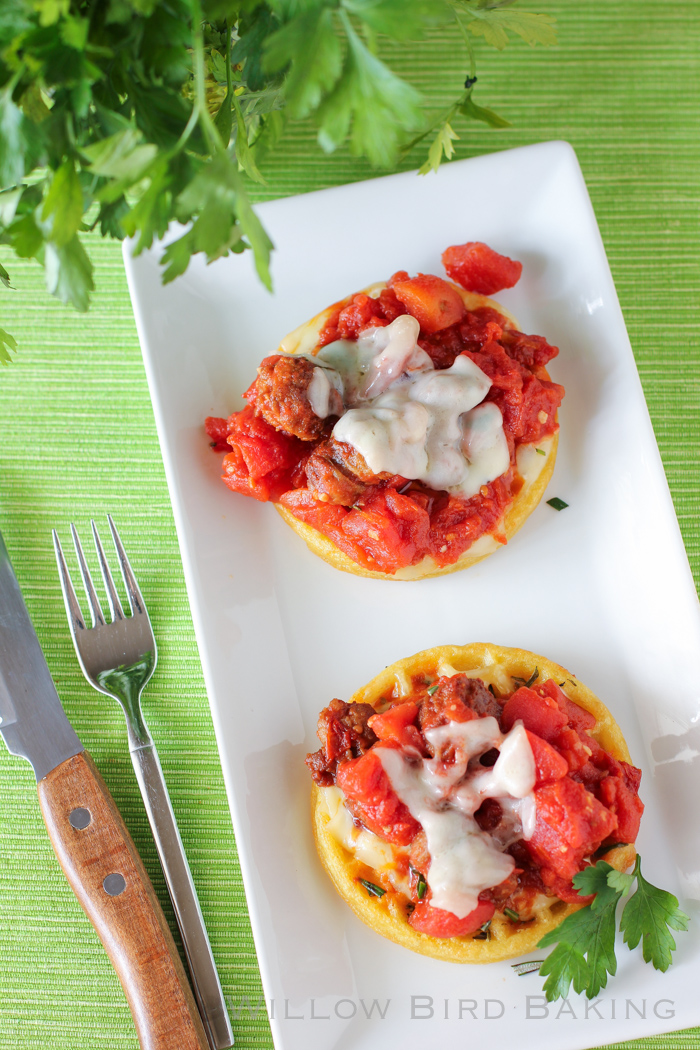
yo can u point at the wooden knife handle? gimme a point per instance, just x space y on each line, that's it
123 909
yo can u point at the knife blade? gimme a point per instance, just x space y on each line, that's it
89 837
43 734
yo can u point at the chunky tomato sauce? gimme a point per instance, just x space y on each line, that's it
585 798
384 523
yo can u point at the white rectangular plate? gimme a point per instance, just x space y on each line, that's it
602 587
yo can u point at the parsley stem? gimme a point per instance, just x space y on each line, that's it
186 132
201 108
469 45
229 81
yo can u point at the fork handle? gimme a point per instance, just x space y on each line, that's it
105 871
205 980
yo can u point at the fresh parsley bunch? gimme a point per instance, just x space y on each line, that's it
585 952
124 115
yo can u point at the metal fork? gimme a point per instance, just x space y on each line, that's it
118 658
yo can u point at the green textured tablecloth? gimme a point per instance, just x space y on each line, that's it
78 440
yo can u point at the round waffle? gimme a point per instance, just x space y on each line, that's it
534 468
388 915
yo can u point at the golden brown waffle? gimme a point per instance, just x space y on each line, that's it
388 915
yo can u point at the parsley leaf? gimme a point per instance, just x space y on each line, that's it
401 19
370 103
8 345
311 48
494 25
648 915
244 153
64 204
470 109
442 144
566 965
257 238
69 273
16 140
122 156
585 952
619 880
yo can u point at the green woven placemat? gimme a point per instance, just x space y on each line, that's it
78 440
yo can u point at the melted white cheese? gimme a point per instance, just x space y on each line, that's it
405 416
367 847
484 446
530 459
422 427
395 348
443 798
319 392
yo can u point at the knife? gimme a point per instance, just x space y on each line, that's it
89 837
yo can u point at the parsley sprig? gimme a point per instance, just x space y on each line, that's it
585 952
124 115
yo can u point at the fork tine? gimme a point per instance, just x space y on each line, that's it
132 588
93 600
115 605
75 616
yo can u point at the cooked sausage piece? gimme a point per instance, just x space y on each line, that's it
337 473
281 396
454 699
344 734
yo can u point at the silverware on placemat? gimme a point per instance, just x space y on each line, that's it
89 837
118 658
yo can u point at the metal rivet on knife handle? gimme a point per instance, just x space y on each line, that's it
79 818
114 884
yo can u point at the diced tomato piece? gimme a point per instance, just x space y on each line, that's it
539 714
578 717
570 824
391 307
590 776
217 431
533 351
479 268
397 278
439 923
348 320
541 399
458 523
506 375
549 764
261 458
631 776
625 804
572 748
598 755
371 798
398 724
433 302
385 533
392 529
363 312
